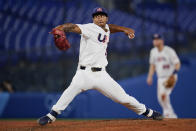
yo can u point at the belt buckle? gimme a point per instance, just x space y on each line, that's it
93 69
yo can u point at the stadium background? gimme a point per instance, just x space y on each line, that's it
39 72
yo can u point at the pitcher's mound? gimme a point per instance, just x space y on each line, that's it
101 125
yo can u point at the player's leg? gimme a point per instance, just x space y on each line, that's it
163 94
171 113
114 91
77 85
68 95
160 94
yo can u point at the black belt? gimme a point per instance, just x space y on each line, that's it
93 69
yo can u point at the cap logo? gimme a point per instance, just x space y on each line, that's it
156 35
99 9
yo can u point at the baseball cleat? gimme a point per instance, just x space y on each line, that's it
153 114
44 120
49 118
156 116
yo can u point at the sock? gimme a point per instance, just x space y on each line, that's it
148 112
52 115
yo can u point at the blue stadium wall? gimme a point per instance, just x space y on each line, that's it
92 104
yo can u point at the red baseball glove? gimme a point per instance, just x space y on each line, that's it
60 39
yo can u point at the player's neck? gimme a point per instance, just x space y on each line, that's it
160 48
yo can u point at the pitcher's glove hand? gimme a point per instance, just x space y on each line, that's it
60 39
170 82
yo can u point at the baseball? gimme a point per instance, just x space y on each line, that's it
131 36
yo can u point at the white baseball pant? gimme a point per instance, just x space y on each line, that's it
102 82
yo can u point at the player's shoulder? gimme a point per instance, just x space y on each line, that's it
168 48
90 24
86 25
153 50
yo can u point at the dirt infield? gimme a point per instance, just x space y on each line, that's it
101 125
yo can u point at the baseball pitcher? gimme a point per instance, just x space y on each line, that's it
165 62
91 72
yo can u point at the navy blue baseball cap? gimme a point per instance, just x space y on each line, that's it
157 36
99 10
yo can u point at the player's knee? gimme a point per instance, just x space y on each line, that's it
163 97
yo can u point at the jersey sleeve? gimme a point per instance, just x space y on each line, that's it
151 60
85 29
174 58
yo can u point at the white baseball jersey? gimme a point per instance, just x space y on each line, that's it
93 45
164 61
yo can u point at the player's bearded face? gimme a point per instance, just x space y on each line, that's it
157 42
100 20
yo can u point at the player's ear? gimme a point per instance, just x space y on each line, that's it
93 19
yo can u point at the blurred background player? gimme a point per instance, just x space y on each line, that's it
165 62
